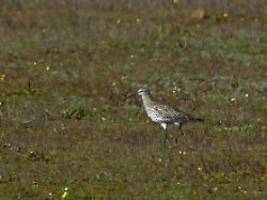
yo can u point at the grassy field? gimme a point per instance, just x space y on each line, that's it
70 117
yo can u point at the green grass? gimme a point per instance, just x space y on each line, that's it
70 116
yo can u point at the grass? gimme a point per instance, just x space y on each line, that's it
70 117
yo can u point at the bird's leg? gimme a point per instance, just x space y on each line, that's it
164 126
181 131
176 139
166 137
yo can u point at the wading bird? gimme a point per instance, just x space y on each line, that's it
165 115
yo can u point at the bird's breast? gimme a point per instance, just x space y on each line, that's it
154 116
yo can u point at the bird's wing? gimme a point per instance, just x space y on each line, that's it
170 113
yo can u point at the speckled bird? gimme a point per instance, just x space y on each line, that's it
164 114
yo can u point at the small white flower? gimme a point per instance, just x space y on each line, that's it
233 99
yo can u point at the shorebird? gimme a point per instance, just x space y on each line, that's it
164 114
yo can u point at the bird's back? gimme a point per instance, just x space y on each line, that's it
165 114
161 113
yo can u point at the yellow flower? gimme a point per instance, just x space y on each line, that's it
114 83
215 189
64 195
123 77
175 90
2 77
34 63
47 68
233 99
199 168
138 20
225 14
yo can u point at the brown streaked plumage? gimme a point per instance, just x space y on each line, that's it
163 114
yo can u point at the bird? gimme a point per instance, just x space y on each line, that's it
164 114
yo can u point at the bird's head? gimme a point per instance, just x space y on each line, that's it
143 91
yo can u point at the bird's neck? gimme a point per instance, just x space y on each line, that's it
147 100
